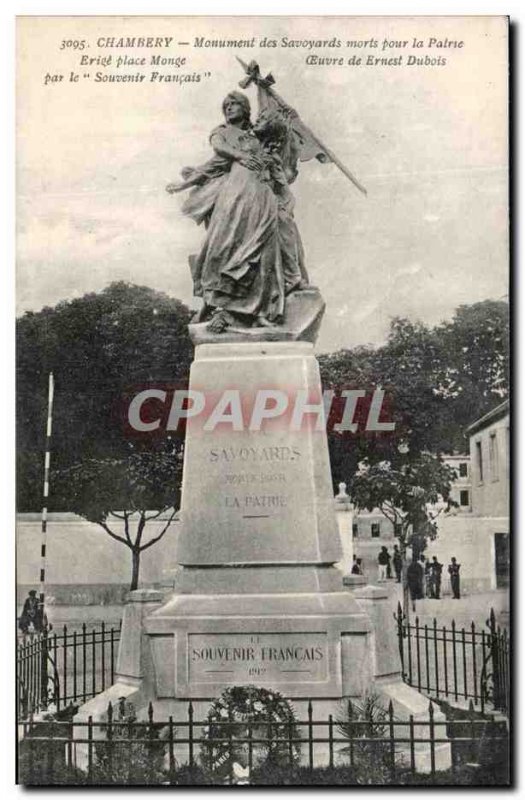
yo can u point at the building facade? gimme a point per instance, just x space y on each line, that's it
476 530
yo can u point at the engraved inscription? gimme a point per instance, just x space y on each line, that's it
241 658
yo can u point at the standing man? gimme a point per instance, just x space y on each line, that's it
453 571
436 569
415 581
398 563
383 560
31 616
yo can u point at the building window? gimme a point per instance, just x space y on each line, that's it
463 469
376 530
464 498
355 530
479 461
493 457
398 530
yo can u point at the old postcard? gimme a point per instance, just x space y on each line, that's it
263 401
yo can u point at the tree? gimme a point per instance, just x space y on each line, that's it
128 492
437 380
101 348
406 493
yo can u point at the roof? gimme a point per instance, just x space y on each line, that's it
491 416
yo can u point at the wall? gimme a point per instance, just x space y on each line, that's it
462 482
471 540
467 537
490 496
81 552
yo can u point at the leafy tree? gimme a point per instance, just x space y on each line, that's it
474 376
101 347
437 380
406 493
127 492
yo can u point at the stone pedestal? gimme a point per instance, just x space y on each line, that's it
260 600
344 513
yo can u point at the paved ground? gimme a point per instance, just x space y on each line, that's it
474 607
470 608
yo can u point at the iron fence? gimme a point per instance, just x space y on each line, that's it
127 751
67 667
456 662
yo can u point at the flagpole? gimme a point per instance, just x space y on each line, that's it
283 104
47 463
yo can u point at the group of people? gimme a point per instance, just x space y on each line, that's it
423 575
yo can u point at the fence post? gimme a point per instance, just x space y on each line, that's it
74 666
103 653
330 741
93 662
112 654
171 755
483 688
454 660
109 737
90 749
427 659
392 741
436 661
474 662
290 743
351 731
64 671
472 717
44 653
464 656
400 638
432 741
190 733
250 745
84 647
412 746
494 652
151 732
31 752
310 736
230 746
418 655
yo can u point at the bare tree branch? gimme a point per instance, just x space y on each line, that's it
161 534
154 516
113 535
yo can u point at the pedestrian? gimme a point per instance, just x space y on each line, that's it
355 567
415 575
453 571
389 566
31 615
428 577
421 562
398 563
383 559
436 570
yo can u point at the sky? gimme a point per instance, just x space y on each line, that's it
428 142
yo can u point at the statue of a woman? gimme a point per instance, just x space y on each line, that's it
252 255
